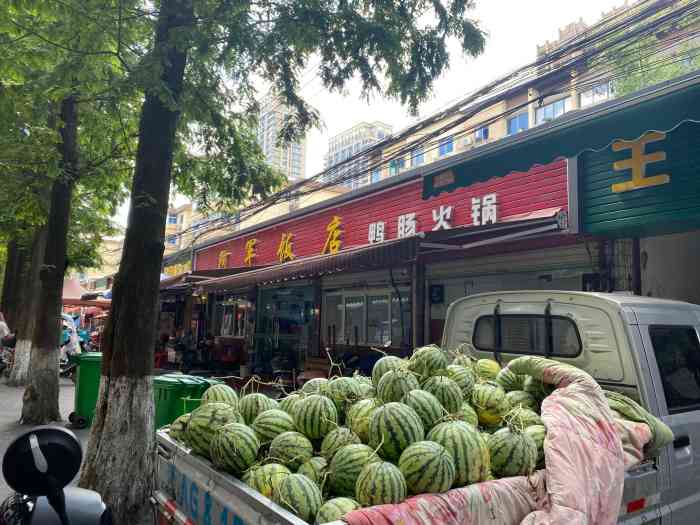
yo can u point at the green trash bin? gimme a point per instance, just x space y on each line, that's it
169 390
87 387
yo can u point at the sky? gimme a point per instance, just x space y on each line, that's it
514 29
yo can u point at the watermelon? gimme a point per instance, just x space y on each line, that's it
395 383
521 417
234 448
178 428
464 378
536 388
357 418
469 451
315 416
383 365
335 509
291 449
288 403
272 423
315 386
345 467
513 453
426 405
521 398
464 360
299 495
379 484
427 467
252 405
265 478
344 391
490 402
220 394
367 390
487 369
335 439
205 421
446 391
538 433
315 469
428 361
392 428
509 380
467 413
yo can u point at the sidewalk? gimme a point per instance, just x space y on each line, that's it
10 408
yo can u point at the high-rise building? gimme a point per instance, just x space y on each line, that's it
288 158
348 144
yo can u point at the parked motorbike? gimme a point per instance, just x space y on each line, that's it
7 354
38 466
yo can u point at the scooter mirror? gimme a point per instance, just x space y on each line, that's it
42 461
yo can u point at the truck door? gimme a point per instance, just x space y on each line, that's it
676 373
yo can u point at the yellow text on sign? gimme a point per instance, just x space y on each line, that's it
285 251
638 163
249 257
223 259
334 232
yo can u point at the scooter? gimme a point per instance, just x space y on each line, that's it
38 466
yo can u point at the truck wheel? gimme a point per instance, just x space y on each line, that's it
71 417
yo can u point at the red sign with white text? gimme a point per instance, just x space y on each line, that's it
393 212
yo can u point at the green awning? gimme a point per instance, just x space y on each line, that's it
659 108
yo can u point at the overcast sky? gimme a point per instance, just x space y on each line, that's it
514 29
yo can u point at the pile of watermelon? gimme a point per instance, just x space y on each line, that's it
423 424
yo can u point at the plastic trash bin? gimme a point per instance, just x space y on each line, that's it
87 387
169 391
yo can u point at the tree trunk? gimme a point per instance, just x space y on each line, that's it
30 288
121 452
41 395
16 254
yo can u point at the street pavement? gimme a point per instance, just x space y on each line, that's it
10 408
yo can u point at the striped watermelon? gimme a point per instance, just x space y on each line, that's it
367 390
521 398
509 380
299 495
335 439
392 428
428 361
521 418
446 391
383 365
271 423
205 421
220 394
315 386
512 453
315 416
315 469
395 383
344 391
468 448
252 405
178 428
335 510
288 403
427 467
463 360
538 433
490 402
291 449
467 413
536 388
357 418
265 478
380 483
426 405
464 377
487 369
234 448
345 467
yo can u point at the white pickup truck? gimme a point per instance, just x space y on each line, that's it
644 347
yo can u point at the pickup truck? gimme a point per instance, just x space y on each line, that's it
645 348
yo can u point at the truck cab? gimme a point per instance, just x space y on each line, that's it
646 348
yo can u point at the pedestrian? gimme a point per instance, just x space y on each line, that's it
4 329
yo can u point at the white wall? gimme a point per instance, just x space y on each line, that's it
671 266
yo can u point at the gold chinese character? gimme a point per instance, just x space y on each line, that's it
638 163
285 252
250 254
333 241
223 259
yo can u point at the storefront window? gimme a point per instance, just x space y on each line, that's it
400 319
354 319
334 315
378 327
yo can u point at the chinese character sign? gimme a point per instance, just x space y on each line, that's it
376 232
406 226
484 210
284 251
223 259
249 257
442 218
334 232
638 163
